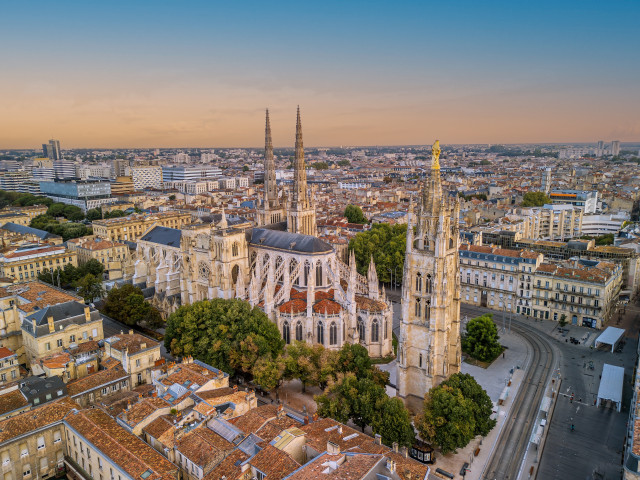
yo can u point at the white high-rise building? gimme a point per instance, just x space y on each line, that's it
615 147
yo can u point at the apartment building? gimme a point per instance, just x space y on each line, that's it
53 328
14 217
496 277
97 447
32 444
15 234
553 222
26 262
584 292
138 355
132 227
587 200
110 254
20 300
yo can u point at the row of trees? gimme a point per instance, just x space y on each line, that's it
86 278
236 338
66 230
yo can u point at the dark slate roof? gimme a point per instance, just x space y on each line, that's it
14 227
217 217
37 388
164 236
63 314
293 242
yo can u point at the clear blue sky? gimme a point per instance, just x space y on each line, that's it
160 73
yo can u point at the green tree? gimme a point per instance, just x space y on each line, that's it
535 199
90 288
355 398
228 334
320 165
455 412
481 338
94 214
311 364
354 358
93 267
387 244
127 305
563 320
393 423
55 210
245 168
172 198
354 214
344 163
268 372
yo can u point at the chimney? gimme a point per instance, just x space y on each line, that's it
87 314
378 439
391 466
405 452
235 388
394 446
280 412
52 327
143 346
245 467
34 325
333 449
131 332
339 429
314 417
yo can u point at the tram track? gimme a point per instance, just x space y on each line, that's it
508 453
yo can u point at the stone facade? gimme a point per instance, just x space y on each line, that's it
429 348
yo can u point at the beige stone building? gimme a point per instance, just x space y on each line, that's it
496 278
429 349
134 226
32 444
9 366
26 262
584 291
20 300
31 211
138 355
91 389
113 255
53 328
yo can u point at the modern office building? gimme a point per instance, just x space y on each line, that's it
146 177
52 150
86 194
64 169
181 174
587 200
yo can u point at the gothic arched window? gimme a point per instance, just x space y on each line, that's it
299 331
361 330
333 334
419 282
420 361
418 308
203 271
234 274
386 331
234 249
375 331
427 310
320 333
286 332
319 275
429 283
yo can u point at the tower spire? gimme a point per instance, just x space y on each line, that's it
270 189
299 169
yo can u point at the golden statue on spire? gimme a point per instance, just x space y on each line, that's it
435 156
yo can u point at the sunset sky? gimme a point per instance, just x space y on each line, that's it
200 74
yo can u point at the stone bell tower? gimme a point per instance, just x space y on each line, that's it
429 344
272 209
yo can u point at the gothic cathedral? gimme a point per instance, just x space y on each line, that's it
429 348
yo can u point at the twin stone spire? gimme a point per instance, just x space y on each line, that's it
299 211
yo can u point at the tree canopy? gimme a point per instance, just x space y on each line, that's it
127 305
69 276
228 334
481 338
67 230
90 287
354 214
535 199
455 412
365 402
387 244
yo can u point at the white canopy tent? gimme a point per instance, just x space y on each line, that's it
611 385
611 336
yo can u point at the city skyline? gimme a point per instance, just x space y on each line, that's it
128 76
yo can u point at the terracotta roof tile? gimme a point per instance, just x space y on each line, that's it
40 417
101 377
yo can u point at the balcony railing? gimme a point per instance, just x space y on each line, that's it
71 464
